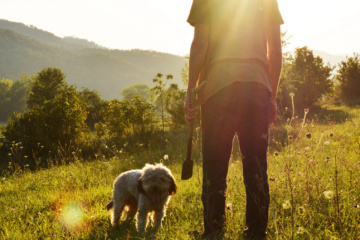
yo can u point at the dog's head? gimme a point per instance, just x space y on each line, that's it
157 182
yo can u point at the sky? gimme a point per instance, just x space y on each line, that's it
160 25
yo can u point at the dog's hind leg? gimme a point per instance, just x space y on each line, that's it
118 208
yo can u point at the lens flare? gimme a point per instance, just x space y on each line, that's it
72 216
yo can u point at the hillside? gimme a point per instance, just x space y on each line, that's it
25 49
313 183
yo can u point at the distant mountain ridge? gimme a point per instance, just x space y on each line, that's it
334 60
47 37
26 49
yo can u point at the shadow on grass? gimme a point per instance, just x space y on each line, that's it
125 230
330 115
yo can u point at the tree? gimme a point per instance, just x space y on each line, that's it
94 105
160 94
13 96
175 105
57 123
139 89
185 74
48 83
142 116
117 118
348 76
308 78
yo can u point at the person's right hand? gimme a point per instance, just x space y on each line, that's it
190 113
273 112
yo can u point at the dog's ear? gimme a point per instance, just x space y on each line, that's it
140 187
173 187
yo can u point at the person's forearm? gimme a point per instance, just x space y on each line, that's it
197 59
275 60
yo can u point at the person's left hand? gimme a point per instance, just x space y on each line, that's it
190 113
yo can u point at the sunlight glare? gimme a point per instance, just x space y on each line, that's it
72 216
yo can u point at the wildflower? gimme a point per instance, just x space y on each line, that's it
327 159
307 149
13 209
31 218
329 194
308 135
327 143
286 204
39 213
25 156
166 157
300 230
228 206
292 95
3 179
301 210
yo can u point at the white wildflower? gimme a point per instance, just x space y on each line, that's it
329 194
286 204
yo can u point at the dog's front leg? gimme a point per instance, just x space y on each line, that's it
158 217
141 220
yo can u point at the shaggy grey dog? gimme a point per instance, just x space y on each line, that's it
143 191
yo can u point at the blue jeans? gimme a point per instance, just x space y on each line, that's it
241 108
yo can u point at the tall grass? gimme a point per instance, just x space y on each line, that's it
313 174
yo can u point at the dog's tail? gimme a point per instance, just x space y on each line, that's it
109 206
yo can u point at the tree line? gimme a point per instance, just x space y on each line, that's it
50 119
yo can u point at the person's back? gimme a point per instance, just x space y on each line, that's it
237 47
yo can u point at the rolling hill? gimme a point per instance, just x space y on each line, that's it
26 49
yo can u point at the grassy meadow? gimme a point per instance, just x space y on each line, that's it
314 166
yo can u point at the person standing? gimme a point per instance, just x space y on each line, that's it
237 49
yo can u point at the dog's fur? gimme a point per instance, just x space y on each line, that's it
143 191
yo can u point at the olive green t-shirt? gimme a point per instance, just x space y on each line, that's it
237 41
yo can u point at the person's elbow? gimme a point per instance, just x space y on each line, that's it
200 41
274 40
